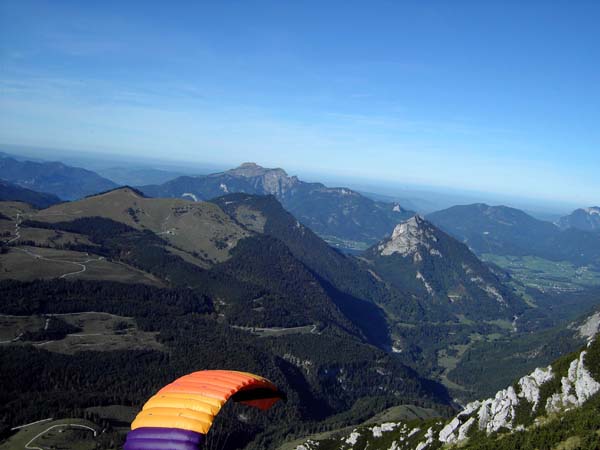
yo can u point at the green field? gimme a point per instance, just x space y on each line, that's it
199 227
279 331
99 332
546 275
449 358
347 244
52 238
28 263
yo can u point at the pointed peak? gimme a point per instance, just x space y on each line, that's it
120 190
409 236
413 222
417 219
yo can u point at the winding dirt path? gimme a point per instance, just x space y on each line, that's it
74 425
82 264
17 229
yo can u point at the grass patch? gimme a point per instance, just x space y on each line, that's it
33 263
546 275
99 332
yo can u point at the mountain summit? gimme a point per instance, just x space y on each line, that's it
270 181
586 219
251 169
429 263
343 217
411 237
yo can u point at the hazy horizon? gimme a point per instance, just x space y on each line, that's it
398 190
485 98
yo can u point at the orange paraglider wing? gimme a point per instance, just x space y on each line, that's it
179 416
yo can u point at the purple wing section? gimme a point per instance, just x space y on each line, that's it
147 438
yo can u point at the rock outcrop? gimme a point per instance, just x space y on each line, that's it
577 387
586 219
409 237
421 259
531 400
530 385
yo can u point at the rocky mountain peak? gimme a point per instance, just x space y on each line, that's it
409 237
586 219
272 181
250 170
121 191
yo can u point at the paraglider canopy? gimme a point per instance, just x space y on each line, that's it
180 415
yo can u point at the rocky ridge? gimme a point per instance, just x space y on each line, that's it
535 400
270 181
420 258
409 238
586 219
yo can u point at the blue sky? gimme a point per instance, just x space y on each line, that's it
492 96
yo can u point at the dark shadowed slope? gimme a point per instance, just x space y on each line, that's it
66 182
12 192
507 231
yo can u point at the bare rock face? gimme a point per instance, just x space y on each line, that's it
421 258
428 440
494 414
464 429
590 327
250 170
577 387
504 413
274 181
378 430
352 438
498 412
587 219
409 237
458 428
530 385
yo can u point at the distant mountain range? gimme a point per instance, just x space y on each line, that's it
13 192
503 230
341 216
137 176
66 182
586 219
421 258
